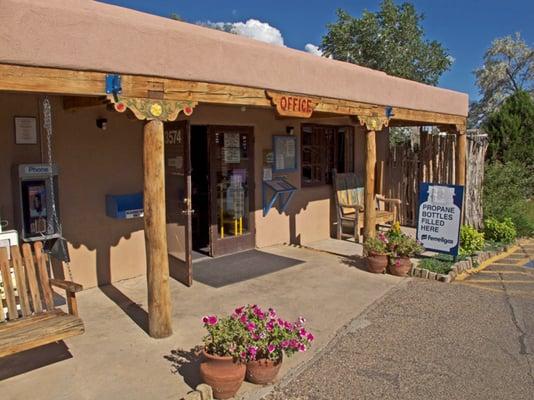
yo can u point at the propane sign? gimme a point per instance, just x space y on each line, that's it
438 217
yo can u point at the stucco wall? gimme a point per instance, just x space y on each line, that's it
94 163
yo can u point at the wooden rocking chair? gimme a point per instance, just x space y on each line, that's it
32 319
349 200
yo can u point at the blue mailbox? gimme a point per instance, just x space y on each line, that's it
124 206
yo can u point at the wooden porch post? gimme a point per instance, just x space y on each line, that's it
155 111
369 212
461 145
372 124
159 298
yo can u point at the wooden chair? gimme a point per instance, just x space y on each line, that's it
32 319
349 200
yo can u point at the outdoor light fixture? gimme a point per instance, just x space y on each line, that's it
102 123
290 130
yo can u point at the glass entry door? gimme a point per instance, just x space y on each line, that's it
178 200
231 189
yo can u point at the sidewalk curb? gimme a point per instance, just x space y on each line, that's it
487 263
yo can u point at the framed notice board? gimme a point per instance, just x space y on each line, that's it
284 153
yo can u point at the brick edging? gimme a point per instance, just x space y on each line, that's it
202 392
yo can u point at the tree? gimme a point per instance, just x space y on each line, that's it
176 17
390 40
511 130
508 68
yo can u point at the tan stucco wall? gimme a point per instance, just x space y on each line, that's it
94 163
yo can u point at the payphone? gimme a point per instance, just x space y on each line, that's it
37 211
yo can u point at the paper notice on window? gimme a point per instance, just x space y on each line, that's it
280 161
267 174
231 139
232 155
290 148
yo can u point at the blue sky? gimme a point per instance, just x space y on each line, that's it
465 27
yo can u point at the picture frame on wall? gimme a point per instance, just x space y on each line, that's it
25 130
285 153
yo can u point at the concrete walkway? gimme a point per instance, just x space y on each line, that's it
428 340
115 358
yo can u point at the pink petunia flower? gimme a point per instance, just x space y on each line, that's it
212 320
251 326
252 351
310 337
271 348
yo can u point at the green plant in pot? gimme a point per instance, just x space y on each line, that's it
376 251
223 367
401 247
269 338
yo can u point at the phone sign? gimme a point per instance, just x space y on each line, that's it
438 218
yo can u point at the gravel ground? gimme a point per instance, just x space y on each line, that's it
428 340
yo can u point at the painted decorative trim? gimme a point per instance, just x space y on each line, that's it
150 109
373 122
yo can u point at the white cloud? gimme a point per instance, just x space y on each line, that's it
313 49
259 30
252 28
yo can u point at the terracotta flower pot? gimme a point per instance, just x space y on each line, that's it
400 266
263 371
223 375
377 263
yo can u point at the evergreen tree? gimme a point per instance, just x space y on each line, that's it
511 130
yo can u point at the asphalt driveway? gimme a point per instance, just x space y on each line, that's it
428 340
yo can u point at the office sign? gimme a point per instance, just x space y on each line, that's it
292 106
438 217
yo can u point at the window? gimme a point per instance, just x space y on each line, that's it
325 147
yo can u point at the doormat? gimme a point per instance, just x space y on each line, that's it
227 270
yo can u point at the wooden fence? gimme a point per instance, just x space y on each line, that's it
407 165
433 160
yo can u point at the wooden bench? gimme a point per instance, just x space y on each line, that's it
32 319
349 200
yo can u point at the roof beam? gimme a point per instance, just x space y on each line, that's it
16 78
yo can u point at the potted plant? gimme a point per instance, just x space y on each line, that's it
223 367
401 247
376 251
269 337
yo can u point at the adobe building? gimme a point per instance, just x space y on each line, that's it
152 139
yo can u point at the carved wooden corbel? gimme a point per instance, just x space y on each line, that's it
373 122
153 109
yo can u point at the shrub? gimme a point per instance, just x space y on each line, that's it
437 264
471 240
507 190
500 232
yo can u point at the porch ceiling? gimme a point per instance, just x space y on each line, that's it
91 36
